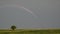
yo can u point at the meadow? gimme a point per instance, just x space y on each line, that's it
23 31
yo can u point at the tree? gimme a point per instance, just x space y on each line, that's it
13 27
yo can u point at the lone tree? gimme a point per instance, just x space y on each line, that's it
13 27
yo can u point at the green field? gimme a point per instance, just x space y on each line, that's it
21 31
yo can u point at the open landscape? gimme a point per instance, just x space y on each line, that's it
29 16
30 31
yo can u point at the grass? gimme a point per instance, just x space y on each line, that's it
25 31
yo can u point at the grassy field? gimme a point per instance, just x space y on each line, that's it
21 31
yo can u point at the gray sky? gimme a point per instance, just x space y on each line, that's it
30 13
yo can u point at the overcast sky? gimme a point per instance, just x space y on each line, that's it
30 13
